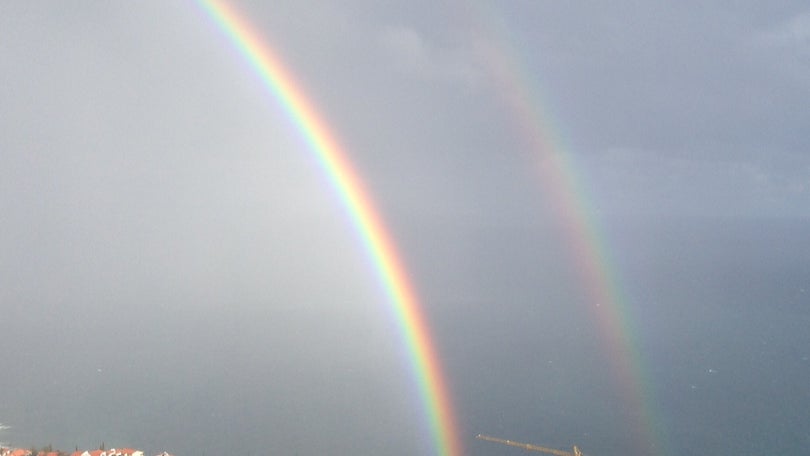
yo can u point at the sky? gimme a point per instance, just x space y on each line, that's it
178 272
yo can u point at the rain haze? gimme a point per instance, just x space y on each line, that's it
180 273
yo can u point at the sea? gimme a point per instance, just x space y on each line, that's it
710 353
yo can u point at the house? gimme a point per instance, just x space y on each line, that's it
14 452
124 452
110 452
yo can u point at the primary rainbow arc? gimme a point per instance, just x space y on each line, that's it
281 84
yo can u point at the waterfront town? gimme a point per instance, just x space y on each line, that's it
48 451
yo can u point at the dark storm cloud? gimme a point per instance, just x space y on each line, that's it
700 105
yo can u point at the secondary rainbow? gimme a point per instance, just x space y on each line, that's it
280 82
557 171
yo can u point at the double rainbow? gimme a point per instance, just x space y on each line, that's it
556 172
281 84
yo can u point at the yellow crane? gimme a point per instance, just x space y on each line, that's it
530 447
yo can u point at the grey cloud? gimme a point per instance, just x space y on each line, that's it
624 180
410 52
787 47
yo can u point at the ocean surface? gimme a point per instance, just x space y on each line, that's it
717 310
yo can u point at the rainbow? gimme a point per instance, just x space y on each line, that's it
280 82
571 206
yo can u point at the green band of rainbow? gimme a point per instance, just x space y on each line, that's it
281 84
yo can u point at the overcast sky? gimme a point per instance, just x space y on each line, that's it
152 190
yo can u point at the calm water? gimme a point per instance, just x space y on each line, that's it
720 310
